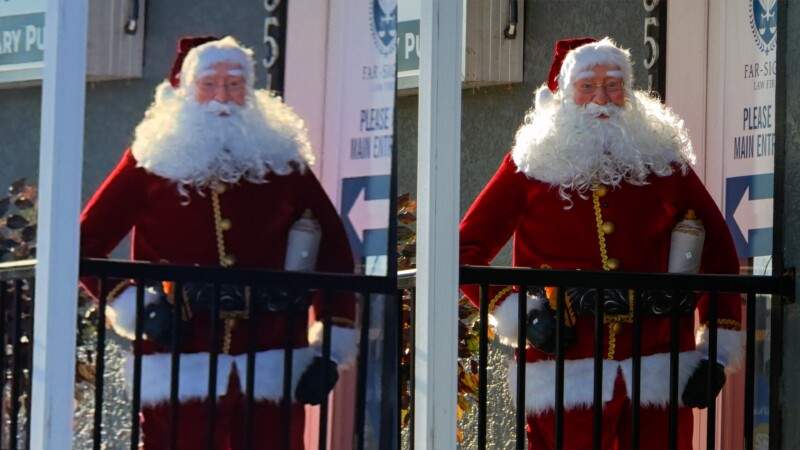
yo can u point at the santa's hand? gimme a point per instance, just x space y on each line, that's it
121 311
541 330
695 394
159 318
317 381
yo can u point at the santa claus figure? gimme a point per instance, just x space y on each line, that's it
599 176
217 174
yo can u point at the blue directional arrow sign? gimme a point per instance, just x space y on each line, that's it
748 212
365 213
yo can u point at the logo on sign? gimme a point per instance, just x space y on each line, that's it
383 22
764 23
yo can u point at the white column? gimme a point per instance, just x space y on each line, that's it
438 179
60 161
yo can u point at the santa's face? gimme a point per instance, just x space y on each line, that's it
602 84
223 83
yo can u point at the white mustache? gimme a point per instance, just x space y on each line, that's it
220 109
595 110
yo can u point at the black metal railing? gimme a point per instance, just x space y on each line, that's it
368 292
16 328
754 288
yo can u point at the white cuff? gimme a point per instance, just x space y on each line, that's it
344 343
505 316
121 311
729 346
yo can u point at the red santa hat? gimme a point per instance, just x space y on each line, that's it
573 59
196 54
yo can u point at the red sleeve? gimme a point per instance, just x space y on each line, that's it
111 213
491 221
335 253
719 251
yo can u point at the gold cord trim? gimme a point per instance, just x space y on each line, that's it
729 322
116 290
497 297
343 322
600 235
218 228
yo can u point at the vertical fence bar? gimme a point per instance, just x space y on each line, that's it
363 353
3 368
636 369
175 369
559 410
483 361
16 371
597 399
326 355
213 361
749 371
674 361
136 402
522 307
286 399
100 365
31 288
253 312
713 309
412 368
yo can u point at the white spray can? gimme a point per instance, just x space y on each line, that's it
686 246
302 245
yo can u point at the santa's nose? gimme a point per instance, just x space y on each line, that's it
600 97
221 95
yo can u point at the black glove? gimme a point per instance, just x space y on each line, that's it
541 330
695 394
159 322
310 389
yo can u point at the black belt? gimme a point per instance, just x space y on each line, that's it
618 301
233 298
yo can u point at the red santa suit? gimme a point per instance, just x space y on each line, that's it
613 226
242 223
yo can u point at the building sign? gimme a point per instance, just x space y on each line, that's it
21 40
749 124
366 133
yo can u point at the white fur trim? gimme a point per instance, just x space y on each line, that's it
505 316
164 92
206 55
540 381
344 343
730 346
194 371
543 96
121 311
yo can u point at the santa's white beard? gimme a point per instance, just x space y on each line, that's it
194 145
572 147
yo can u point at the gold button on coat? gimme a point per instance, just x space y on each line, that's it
228 260
607 227
225 224
613 263
218 187
602 190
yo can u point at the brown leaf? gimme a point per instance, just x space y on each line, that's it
402 200
17 186
411 206
16 222
459 435
23 202
406 218
405 233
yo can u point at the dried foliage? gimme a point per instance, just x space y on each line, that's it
468 324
